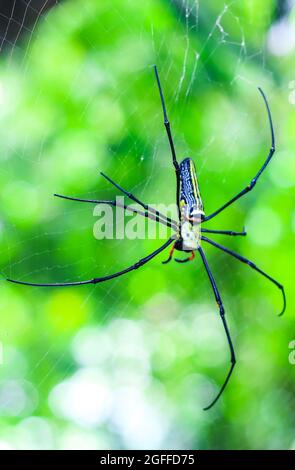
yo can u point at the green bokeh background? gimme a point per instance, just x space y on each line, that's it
131 363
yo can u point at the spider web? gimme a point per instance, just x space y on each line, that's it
109 365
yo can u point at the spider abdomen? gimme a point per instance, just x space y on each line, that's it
190 200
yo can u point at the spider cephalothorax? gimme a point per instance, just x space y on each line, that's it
188 231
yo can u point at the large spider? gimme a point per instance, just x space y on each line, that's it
188 231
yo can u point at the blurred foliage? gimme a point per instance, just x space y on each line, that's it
131 363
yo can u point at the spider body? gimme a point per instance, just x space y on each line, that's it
188 232
191 208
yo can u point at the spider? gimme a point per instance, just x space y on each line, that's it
188 230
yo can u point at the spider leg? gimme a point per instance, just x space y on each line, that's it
170 255
256 177
97 280
170 138
252 265
185 260
135 199
123 206
225 232
222 316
